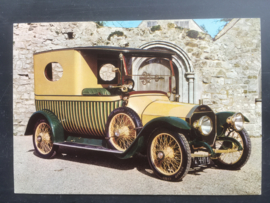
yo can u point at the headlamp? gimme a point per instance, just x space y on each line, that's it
204 125
236 121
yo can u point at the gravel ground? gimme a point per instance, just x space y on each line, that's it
75 171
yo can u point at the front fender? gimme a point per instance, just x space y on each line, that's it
171 123
221 120
57 128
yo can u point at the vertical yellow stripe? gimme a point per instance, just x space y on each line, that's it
105 116
40 105
54 107
82 117
75 117
47 105
83 129
96 118
82 126
101 109
84 114
90 117
99 117
69 108
112 106
95 121
86 118
59 112
64 110
107 108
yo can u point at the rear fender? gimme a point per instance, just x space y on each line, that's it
221 120
57 128
171 123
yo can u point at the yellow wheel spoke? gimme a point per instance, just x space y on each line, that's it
43 132
122 131
231 157
170 148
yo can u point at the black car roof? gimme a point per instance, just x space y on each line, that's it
117 50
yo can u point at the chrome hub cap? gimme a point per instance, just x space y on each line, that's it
166 154
39 138
122 131
43 138
160 155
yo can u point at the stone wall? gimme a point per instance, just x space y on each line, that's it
226 70
187 23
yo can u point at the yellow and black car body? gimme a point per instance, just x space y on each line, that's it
84 109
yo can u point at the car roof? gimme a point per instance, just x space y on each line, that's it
118 50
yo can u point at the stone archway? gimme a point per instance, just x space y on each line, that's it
182 64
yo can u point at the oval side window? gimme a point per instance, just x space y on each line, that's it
53 71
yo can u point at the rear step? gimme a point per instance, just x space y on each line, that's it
88 147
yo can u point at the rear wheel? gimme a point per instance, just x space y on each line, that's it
122 128
42 140
169 155
234 160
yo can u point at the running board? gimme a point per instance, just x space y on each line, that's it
88 147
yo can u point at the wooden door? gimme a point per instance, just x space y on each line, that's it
154 75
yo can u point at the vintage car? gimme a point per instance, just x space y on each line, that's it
92 105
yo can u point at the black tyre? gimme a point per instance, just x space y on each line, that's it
42 140
169 155
122 128
234 160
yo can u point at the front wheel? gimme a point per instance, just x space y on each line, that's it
42 140
234 160
169 155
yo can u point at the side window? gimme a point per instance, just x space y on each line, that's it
53 71
106 72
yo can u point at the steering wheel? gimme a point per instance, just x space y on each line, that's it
129 83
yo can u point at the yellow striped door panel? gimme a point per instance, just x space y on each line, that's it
81 117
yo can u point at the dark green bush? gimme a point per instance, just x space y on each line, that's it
155 28
99 24
192 33
118 33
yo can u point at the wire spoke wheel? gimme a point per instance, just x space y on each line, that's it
236 159
166 154
43 138
122 131
232 157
